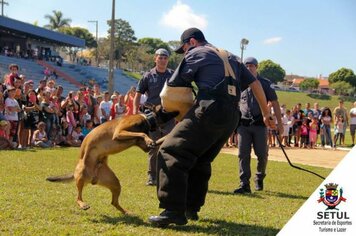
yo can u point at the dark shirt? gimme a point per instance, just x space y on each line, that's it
204 67
152 83
248 104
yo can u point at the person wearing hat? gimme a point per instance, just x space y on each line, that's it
185 156
151 84
253 132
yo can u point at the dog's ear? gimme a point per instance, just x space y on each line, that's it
163 116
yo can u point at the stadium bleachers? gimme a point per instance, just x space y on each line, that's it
82 74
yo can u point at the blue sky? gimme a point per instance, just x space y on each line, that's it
306 37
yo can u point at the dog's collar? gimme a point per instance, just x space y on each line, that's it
151 120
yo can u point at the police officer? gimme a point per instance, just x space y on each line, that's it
184 158
151 84
252 131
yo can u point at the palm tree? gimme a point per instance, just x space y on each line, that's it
57 21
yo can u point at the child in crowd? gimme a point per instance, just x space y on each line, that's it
290 118
12 108
129 100
70 117
4 136
57 111
84 116
338 130
313 132
87 128
304 133
62 137
97 110
286 125
76 136
40 138
271 137
120 107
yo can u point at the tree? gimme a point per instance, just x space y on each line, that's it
343 74
57 21
80 33
153 44
341 87
272 71
124 38
309 84
175 58
138 59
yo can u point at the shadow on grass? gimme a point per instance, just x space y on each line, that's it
320 96
126 219
284 195
208 226
252 195
260 194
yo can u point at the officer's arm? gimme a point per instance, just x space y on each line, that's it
262 102
136 102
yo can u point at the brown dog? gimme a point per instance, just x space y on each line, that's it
112 137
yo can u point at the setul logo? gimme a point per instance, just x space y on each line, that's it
332 220
331 196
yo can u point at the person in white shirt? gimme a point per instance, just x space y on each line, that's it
353 123
105 107
12 108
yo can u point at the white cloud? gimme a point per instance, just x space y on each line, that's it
181 16
273 40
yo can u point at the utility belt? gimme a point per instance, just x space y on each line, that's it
248 122
220 93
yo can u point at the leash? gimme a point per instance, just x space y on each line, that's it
290 163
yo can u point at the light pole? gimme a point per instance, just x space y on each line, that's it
111 55
243 45
97 42
2 2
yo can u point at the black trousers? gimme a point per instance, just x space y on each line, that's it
184 158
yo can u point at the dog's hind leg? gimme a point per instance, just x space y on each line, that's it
80 185
107 178
80 179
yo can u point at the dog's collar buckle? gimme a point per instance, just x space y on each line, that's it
151 120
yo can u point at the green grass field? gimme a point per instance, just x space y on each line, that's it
29 205
292 98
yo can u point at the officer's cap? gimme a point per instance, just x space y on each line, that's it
162 51
187 35
251 60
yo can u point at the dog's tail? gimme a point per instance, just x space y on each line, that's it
61 178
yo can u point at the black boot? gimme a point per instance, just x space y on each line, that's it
169 217
259 185
243 189
192 215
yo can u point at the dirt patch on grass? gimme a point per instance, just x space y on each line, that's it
327 158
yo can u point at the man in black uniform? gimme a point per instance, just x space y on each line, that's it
184 158
152 83
252 131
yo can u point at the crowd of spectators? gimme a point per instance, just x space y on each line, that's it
41 115
312 127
